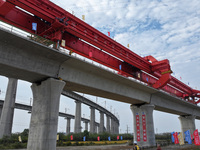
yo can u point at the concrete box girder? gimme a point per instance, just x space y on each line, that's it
27 60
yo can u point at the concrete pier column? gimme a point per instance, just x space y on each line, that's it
112 126
144 133
77 123
1 108
108 123
45 111
101 126
92 120
8 108
117 127
187 123
86 125
96 128
68 125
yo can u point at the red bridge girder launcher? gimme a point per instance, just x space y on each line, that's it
56 24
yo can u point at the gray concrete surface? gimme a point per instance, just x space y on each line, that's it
92 120
96 128
116 127
86 125
77 122
146 110
108 123
44 117
68 128
24 59
0 111
112 125
101 125
8 108
187 123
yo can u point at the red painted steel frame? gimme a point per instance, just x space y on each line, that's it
56 24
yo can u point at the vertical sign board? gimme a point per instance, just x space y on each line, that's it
196 137
172 137
118 137
144 128
71 137
188 137
175 138
138 127
180 138
34 26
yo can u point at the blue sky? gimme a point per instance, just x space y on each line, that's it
165 29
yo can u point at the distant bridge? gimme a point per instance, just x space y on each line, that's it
67 116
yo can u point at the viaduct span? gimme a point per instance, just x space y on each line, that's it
27 60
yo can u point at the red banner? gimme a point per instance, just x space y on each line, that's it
196 137
175 138
71 137
98 138
118 137
144 128
138 127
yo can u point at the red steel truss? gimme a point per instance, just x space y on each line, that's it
56 24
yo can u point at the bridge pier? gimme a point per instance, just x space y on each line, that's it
1 108
45 111
8 108
101 126
116 127
77 123
92 120
114 130
143 124
86 125
108 123
96 128
68 125
112 126
187 123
